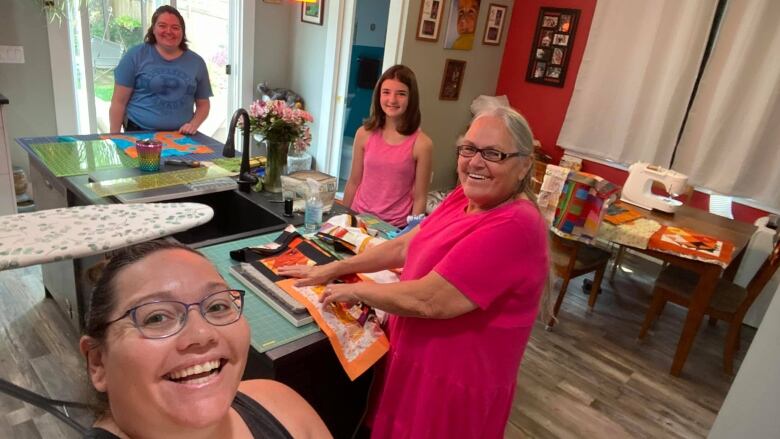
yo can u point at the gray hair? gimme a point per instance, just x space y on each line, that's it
516 125
523 141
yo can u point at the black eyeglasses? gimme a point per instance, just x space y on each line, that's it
489 154
165 318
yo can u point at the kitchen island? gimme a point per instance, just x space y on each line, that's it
300 357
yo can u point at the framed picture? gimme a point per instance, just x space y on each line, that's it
495 25
429 22
453 77
311 12
554 38
461 24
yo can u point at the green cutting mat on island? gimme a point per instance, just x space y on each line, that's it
269 328
80 157
155 180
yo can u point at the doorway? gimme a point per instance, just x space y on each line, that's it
365 67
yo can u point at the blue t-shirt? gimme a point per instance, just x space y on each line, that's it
164 92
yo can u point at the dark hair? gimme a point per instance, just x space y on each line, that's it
103 299
412 117
165 9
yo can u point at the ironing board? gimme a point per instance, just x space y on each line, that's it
75 232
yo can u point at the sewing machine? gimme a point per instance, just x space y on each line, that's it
638 187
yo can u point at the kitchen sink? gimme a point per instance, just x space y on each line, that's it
235 217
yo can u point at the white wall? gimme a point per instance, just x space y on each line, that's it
27 86
307 62
751 407
272 51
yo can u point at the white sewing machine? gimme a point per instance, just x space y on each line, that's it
638 187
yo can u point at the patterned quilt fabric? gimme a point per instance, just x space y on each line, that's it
689 244
583 202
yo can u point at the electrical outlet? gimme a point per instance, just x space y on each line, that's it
12 54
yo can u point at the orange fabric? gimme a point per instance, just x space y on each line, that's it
357 346
689 244
620 213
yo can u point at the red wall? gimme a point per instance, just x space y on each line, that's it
545 106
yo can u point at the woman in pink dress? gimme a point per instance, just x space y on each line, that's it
391 156
473 275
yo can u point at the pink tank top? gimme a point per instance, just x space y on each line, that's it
387 188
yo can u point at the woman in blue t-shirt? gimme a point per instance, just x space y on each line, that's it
158 83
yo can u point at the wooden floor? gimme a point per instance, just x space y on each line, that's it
588 378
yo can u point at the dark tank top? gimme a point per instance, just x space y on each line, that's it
261 423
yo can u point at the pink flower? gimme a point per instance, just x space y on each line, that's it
278 122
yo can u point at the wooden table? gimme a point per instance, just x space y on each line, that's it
704 223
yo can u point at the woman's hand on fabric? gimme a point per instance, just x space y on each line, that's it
188 128
310 275
340 293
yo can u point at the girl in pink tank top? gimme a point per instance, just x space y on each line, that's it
391 159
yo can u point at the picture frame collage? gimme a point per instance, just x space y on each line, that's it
552 44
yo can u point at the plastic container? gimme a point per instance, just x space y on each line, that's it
313 210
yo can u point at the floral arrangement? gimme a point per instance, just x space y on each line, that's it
278 122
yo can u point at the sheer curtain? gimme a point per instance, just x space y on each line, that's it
731 142
636 78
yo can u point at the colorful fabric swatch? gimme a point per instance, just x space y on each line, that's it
174 143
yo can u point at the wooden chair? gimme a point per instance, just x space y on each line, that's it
729 303
571 259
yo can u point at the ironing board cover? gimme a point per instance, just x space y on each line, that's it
74 232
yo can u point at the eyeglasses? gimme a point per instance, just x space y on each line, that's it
164 27
489 154
165 318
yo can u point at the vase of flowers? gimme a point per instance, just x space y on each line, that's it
285 130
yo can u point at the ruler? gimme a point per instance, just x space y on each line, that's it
156 180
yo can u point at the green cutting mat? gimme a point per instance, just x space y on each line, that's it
269 329
66 159
156 180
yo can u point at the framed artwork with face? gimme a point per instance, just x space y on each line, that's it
551 50
462 24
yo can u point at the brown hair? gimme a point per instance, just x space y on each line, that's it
165 9
412 117
104 274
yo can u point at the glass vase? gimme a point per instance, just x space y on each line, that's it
275 166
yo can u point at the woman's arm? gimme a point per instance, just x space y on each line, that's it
116 112
288 407
202 107
356 172
431 297
389 254
423 151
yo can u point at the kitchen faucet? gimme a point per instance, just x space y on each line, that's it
245 178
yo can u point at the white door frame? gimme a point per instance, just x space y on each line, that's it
62 67
338 48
